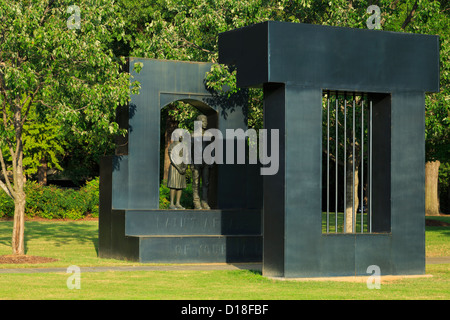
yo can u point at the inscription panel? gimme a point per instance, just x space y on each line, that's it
201 249
181 222
193 222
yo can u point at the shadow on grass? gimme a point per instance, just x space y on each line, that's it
255 272
6 233
56 233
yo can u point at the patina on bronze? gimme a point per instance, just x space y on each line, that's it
176 180
200 172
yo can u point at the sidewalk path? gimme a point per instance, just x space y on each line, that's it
437 260
195 267
200 267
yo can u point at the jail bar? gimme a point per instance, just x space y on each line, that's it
353 167
365 148
345 161
362 165
337 166
370 167
328 162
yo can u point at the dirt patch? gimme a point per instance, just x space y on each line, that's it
17 259
436 223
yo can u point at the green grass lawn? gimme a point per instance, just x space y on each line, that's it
76 243
437 238
71 242
204 285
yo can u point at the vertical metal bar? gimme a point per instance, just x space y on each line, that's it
353 167
345 162
362 165
336 198
328 161
370 166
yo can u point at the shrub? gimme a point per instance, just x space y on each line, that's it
51 202
6 205
164 196
91 193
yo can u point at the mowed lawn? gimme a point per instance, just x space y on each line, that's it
76 243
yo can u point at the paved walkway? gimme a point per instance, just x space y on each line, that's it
438 260
200 267
206 266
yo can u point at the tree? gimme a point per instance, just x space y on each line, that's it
188 29
56 56
426 17
434 18
185 30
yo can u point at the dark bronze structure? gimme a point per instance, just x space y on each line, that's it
130 224
295 64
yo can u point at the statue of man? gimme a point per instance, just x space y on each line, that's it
200 171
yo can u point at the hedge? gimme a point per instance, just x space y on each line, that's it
51 202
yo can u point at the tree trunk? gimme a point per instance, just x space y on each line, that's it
351 195
18 243
431 188
42 172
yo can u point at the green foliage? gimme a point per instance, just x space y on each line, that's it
71 75
188 30
42 140
222 79
71 80
72 71
6 205
91 194
164 196
51 202
183 114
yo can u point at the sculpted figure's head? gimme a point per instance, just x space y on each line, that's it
204 121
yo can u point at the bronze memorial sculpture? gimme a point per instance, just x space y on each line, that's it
176 181
276 219
200 170
132 225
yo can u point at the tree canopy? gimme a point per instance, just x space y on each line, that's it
53 66
188 30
